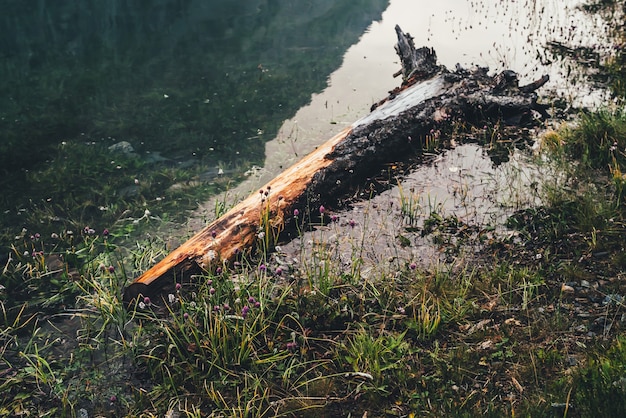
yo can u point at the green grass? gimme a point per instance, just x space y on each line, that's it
491 334
598 140
530 325
599 389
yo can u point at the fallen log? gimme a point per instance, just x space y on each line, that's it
430 98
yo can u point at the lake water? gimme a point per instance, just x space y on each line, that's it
226 86
500 35
463 183
198 83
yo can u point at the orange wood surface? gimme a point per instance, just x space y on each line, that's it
237 229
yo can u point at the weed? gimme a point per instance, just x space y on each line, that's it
410 206
599 387
426 317
599 139
373 359
271 222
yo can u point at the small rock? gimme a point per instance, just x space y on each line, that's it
602 324
565 288
485 345
123 147
612 299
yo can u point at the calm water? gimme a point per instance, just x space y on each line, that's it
177 77
464 182
226 84
500 35
195 82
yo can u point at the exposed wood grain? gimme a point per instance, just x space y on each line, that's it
237 230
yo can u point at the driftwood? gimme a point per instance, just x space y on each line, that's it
429 98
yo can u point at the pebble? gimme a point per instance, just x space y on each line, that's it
602 324
565 288
613 299
123 147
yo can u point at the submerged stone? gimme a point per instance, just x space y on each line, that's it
123 147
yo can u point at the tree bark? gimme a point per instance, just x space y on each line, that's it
430 98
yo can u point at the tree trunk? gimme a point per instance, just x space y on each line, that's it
430 98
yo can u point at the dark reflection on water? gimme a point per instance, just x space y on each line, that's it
201 80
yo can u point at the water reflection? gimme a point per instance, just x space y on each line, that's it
501 35
444 211
225 66
208 83
463 183
200 82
